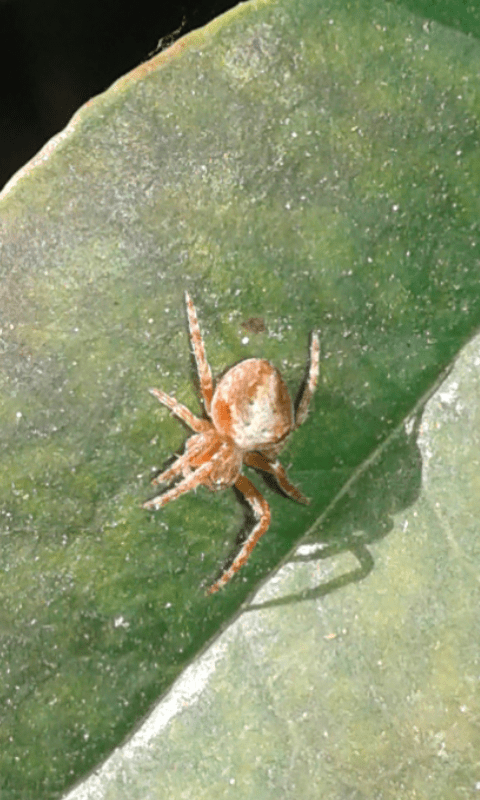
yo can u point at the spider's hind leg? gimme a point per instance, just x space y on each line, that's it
259 461
261 510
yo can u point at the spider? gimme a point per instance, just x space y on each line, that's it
249 415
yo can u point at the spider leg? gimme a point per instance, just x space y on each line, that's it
189 482
258 461
178 466
200 448
181 464
303 400
203 367
182 412
261 510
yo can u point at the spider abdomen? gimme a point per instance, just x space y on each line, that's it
252 405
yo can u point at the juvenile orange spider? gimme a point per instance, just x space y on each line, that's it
250 414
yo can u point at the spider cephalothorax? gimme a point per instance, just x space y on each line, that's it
249 416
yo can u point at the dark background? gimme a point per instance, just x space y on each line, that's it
56 54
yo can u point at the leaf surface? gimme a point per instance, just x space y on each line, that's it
316 170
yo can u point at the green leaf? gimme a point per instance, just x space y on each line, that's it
315 169
367 687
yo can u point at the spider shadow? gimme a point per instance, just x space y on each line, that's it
362 516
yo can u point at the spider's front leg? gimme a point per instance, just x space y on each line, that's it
203 367
261 509
182 412
196 453
190 481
